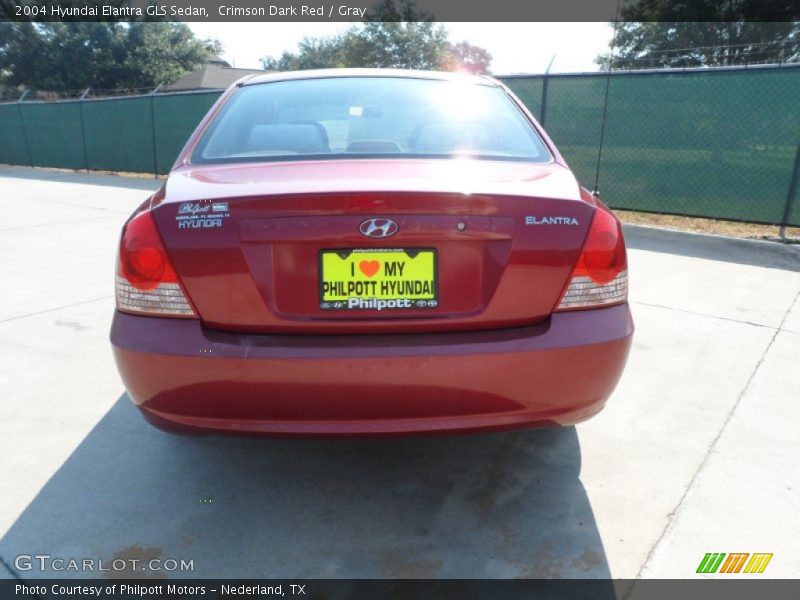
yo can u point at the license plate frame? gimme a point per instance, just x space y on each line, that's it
339 299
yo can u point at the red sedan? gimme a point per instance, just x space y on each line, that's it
370 252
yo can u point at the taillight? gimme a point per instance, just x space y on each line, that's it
600 276
146 280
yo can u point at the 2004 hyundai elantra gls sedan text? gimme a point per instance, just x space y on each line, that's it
370 252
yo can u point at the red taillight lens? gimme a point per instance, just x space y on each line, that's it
142 258
603 256
146 281
600 276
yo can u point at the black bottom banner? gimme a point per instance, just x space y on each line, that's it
357 589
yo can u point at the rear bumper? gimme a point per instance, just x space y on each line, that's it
188 379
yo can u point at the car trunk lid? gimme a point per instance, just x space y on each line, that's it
269 248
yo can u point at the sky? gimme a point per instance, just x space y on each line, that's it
515 47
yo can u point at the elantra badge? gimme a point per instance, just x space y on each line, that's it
378 228
551 221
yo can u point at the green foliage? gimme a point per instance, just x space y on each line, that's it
406 45
71 56
314 53
395 35
653 45
712 33
466 57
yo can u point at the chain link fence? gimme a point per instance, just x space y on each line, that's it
720 143
137 134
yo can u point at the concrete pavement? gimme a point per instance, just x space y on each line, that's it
695 452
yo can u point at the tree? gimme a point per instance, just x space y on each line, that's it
395 35
466 57
313 53
399 45
72 56
711 33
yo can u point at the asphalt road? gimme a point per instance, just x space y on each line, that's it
697 451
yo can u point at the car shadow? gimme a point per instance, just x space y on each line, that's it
501 505
758 253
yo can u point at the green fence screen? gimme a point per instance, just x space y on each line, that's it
119 135
141 134
717 143
175 119
13 147
53 134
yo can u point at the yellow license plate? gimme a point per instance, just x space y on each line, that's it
369 279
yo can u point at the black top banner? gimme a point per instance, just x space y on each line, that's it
360 10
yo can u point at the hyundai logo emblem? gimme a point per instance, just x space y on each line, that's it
378 228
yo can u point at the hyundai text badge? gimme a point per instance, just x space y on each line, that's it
378 228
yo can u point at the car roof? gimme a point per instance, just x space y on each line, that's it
396 73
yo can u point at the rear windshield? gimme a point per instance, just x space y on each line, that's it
367 117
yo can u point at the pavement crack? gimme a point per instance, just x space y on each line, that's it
41 312
673 514
710 316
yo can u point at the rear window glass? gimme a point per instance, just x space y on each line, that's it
367 117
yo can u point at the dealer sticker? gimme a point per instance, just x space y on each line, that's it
202 215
